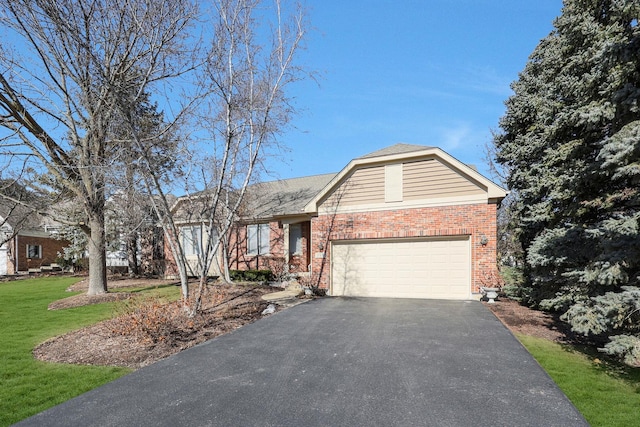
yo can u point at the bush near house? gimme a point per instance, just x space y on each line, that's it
252 275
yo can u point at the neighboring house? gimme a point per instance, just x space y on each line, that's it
135 240
31 247
149 253
407 221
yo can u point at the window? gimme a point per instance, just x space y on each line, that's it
34 251
295 239
192 240
258 239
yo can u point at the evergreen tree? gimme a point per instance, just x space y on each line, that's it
571 141
138 130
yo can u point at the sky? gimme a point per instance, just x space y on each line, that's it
425 72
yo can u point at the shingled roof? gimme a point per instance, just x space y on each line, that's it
395 149
283 197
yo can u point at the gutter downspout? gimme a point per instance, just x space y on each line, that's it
15 254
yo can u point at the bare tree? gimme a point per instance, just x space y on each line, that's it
244 108
248 104
81 59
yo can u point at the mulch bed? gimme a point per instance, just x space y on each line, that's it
526 321
115 343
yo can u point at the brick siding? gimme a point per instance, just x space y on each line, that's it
239 259
50 249
475 220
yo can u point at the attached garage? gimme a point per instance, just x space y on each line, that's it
437 268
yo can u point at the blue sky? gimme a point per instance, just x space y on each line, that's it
428 72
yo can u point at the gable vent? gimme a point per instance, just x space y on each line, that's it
393 183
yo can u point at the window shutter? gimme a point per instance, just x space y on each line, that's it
393 183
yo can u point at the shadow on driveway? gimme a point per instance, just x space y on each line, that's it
338 362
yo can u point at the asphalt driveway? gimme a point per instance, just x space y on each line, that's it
338 362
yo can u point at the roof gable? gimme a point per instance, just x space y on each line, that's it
404 153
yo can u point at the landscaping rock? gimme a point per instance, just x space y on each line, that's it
271 308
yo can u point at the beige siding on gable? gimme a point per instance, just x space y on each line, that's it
422 180
428 179
364 186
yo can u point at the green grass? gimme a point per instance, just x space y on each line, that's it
606 393
28 386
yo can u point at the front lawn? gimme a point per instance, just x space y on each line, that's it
28 386
606 393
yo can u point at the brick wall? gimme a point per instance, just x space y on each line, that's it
476 221
50 249
275 260
239 259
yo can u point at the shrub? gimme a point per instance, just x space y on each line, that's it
251 275
148 319
515 292
512 276
312 282
514 283
624 347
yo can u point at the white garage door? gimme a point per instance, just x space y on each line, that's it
435 268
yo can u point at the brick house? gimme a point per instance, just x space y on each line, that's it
28 247
406 221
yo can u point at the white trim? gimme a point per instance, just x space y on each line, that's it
4 259
288 239
413 204
36 233
258 237
38 256
292 219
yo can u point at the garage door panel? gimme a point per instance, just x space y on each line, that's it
403 268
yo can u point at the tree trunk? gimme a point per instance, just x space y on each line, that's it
226 275
97 256
132 254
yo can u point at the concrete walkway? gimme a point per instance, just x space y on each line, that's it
287 297
338 362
